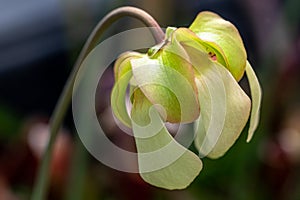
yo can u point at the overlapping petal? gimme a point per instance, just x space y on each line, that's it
163 162
224 111
122 74
224 105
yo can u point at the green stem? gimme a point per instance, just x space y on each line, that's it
64 101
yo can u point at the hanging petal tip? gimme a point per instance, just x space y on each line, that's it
256 96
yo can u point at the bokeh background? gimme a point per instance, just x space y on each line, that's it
39 42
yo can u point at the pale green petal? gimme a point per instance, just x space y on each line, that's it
162 161
212 98
171 87
224 107
256 95
222 38
123 74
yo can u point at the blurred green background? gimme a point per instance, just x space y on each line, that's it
39 42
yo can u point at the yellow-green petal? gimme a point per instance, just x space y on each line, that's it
168 81
187 37
223 38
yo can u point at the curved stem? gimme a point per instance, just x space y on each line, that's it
66 95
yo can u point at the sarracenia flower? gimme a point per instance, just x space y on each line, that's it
191 77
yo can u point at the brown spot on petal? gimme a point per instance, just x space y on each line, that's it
213 56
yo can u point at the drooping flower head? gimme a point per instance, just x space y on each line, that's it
192 76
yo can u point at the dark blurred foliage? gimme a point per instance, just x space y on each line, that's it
39 42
